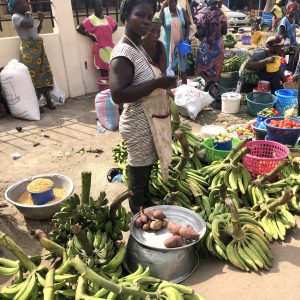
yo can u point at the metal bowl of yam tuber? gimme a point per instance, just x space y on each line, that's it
148 247
39 212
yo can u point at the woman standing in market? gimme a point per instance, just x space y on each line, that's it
287 25
177 28
99 29
135 81
211 26
32 52
154 47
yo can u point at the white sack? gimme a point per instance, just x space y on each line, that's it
57 96
190 101
19 92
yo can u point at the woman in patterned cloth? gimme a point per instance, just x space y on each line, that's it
211 25
100 29
32 52
135 81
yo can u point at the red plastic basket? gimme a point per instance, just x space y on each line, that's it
103 83
264 157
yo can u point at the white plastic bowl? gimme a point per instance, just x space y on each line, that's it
210 131
39 212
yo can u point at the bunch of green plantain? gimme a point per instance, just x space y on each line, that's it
274 217
97 250
72 278
90 214
248 249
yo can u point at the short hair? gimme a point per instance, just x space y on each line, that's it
128 5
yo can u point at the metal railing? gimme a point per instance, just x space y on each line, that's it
83 8
35 6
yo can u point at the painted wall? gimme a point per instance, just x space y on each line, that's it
69 54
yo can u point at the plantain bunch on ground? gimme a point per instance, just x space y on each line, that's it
69 277
90 214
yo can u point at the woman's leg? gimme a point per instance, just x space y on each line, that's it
183 77
49 101
138 183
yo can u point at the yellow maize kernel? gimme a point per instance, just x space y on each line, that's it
40 185
25 198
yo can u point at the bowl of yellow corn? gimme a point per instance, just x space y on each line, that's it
39 197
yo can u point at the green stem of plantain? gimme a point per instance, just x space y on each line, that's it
86 178
270 175
49 285
237 232
185 157
286 197
83 240
9 244
239 155
80 289
235 149
117 202
52 246
175 123
90 275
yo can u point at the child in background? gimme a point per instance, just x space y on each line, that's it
277 14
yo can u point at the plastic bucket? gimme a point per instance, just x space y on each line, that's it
264 85
275 66
231 102
43 197
227 146
184 47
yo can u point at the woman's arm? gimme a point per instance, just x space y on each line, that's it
115 28
282 31
163 59
161 13
41 18
253 65
80 29
120 78
186 25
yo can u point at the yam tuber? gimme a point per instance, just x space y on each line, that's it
149 214
156 225
188 233
143 216
158 214
173 227
138 222
146 226
165 223
174 241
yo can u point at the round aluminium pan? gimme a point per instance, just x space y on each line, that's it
39 212
177 214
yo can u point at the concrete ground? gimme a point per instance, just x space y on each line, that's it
53 145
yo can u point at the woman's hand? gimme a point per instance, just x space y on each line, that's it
165 4
269 60
93 38
166 82
41 16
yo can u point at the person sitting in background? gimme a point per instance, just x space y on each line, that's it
99 28
255 68
32 52
154 47
277 14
